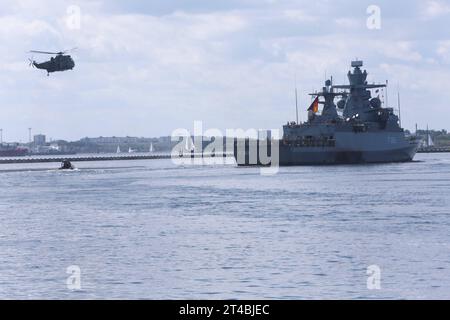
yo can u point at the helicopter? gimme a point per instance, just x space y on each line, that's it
61 62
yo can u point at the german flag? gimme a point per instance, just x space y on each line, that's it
314 106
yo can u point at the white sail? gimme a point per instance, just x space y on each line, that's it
430 142
118 149
151 147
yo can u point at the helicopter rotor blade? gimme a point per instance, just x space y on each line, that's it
58 53
44 52
66 51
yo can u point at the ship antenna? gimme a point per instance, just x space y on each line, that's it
399 108
296 99
387 96
296 104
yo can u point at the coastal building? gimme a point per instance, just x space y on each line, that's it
39 140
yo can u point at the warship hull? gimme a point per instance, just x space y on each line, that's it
291 157
294 155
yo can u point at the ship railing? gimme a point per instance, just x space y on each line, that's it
312 142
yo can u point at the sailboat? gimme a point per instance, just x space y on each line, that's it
118 149
151 148
430 142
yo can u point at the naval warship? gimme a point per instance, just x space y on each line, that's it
356 129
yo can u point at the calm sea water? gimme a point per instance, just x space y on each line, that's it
153 230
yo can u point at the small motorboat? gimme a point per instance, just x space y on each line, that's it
66 165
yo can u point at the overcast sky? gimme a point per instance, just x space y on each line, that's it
145 68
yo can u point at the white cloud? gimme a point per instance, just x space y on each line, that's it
299 15
435 8
443 50
401 50
349 22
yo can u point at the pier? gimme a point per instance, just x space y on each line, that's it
433 150
116 157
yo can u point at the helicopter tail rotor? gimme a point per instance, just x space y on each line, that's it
32 63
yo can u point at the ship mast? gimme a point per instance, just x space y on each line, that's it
399 110
296 104
296 99
387 96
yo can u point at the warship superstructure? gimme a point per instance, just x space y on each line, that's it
358 129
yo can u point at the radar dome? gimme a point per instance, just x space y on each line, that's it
375 103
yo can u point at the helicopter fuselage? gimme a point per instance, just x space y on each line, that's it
58 63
